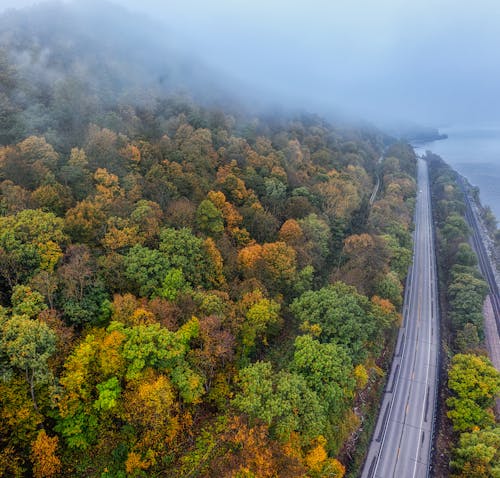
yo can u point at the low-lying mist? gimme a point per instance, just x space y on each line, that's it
385 62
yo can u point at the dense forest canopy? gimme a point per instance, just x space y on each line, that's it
185 290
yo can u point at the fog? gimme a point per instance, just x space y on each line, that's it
433 62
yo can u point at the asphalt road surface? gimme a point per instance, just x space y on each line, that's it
402 440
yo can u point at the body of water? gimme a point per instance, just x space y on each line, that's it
474 153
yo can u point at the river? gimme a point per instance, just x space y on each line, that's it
475 153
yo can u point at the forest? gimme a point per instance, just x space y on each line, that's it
188 290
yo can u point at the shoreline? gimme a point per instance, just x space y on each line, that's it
486 233
473 152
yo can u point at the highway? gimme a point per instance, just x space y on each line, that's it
403 436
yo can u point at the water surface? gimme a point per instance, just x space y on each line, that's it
475 153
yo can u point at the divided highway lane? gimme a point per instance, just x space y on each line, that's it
402 440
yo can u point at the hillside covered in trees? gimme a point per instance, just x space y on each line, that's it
187 291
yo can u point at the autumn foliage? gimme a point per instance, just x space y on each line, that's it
187 291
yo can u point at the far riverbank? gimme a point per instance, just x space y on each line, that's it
475 153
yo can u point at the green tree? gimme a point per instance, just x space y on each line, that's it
173 284
343 315
467 415
474 377
260 319
477 454
327 369
318 236
29 240
284 401
209 219
153 346
146 269
389 287
26 346
183 250
475 384
465 255
26 301
467 338
109 392
467 294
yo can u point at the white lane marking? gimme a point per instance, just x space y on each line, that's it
428 305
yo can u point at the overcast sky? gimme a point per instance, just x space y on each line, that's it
434 61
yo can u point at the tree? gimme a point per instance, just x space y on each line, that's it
29 162
275 194
280 264
54 198
85 222
465 255
367 260
273 263
46 463
467 339
154 346
102 149
209 219
216 350
467 294
232 218
474 377
261 224
28 345
76 175
120 234
467 415
183 250
283 401
26 301
29 240
475 384
245 451
339 195
150 406
390 288
14 198
46 283
257 397
318 237
146 269
343 315
327 369
477 454
173 284
145 364
147 217
9 123
319 464
19 422
261 318
214 264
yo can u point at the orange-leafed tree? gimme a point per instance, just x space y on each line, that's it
46 463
